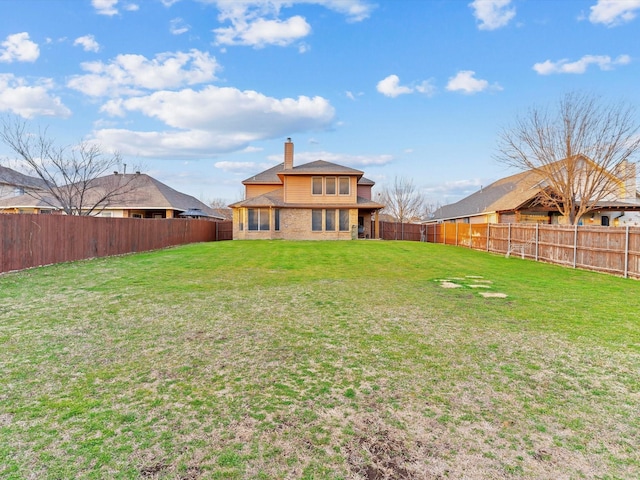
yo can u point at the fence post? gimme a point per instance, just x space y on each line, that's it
626 253
456 234
537 236
509 238
575 246
488 224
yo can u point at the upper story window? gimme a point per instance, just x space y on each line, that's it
330 186
344 185
316 185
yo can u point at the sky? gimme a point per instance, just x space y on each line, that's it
202 94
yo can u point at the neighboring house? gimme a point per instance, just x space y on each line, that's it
514 199
144 197
13 183
314 201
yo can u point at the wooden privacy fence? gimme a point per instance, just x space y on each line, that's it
614 250
33 240
400 231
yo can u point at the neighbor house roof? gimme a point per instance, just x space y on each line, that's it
9 176
142 192
508 194
505 194
28 201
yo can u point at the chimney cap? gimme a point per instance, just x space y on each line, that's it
288 139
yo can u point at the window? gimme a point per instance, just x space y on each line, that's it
344 220
276 219
330 186
316 185
343 185
330 220
264 219
258 219
316 220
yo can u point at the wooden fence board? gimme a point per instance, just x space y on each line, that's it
33 240
614 250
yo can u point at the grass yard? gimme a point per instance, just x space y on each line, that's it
318 360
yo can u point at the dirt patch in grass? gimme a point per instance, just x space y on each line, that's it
474 282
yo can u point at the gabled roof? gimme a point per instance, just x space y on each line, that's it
145 191
274 174
27 201
505 194
366 181
142 192
9 176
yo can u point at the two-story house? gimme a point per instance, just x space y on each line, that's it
314 201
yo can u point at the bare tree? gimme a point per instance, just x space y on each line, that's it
402 201
581 149
75 176
218 203
429 208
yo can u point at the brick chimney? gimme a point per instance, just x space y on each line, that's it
288 154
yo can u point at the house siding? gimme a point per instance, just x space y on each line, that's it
364 191
257 190
297 189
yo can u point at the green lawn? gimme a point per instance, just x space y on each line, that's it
362 359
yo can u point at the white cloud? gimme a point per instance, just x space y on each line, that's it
465 82
261 32
354 161
236 166
256 22
88 43
390 87
213 120
614 12
492 14
427 88
132 74
29 101
452 191
105 7
19 48
355 10
108 7
604 62
177 26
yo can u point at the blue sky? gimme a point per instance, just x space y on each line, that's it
203 93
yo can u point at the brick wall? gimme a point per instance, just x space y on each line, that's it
295 224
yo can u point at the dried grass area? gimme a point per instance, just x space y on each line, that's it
473 282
